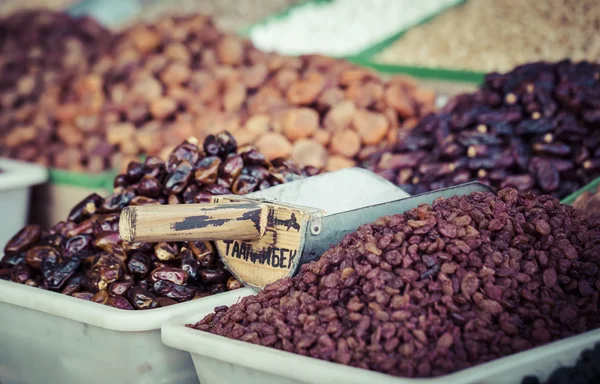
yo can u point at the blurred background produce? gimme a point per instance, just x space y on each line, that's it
534 128
155 85
169 102
8 7
496 35
88 98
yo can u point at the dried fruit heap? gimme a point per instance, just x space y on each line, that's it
40 53
84 257
536 128
437 289
155 85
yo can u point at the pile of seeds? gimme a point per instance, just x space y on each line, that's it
534 128
440 288
585 371
498 35
85 257
155 85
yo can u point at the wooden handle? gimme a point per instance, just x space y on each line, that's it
185 222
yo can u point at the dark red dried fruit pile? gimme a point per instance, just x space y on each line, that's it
536 128
435 290
85 257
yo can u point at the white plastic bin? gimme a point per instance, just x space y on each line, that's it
16 180
219 360
46 337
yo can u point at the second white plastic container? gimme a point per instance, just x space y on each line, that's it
46 337
16 180
219 360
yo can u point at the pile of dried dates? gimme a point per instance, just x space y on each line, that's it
536 128
85 257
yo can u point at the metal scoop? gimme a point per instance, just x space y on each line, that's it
266 235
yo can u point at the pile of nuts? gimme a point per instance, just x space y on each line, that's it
589 202
157 84
434 290
534 128
84 257
499 35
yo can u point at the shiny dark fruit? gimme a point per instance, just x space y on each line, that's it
61 273
174 275
214 276
24 239
173 291
207 170
166 251
141 298
21 273
149 186
118 302
177 180
85 208
36 255
139 264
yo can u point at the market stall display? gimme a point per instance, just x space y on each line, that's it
433 291
533 128
497 286
84 256
498 35
197 80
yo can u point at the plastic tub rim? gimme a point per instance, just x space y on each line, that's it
19 174
175 334
99 315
